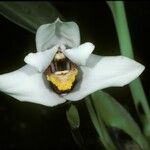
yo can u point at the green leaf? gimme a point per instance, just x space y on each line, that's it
114 115
29 15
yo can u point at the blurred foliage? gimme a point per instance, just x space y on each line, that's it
114 115
29 15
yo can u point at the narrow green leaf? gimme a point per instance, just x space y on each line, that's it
29 15
113 114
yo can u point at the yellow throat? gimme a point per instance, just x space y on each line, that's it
63 81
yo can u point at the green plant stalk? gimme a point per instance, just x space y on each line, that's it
126 49
99 126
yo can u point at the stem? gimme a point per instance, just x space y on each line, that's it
126 49
74 122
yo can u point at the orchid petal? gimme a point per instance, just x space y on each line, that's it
26 84
57 33
103 72
80 54
42 59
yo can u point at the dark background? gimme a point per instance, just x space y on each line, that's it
27 125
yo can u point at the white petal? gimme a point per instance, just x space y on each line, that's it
80 54
57 33
103 72
26 84
42 59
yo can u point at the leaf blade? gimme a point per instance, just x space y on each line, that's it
113 114
29 15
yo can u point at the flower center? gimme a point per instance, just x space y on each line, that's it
61 74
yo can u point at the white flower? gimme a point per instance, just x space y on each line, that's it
61 41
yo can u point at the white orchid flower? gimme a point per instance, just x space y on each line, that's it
62 69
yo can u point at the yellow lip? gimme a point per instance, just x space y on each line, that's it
63 81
